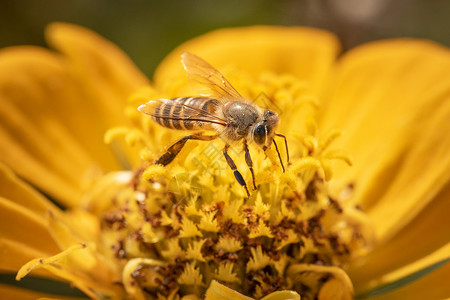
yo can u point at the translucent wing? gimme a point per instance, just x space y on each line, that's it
205 74
185 112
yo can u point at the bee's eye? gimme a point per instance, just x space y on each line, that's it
268 113
259 134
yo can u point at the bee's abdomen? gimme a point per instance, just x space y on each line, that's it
185 113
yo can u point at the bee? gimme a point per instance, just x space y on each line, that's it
224 111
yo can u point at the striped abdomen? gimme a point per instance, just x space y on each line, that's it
187 113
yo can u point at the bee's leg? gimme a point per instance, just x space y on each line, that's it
286 145
279 156
249 162
173 150
232 165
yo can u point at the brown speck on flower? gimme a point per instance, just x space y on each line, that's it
153 218
216 207
233 230
226 257
114 220
279 230
314 226
301 227
170 232
335 205
119 249
313 188
293 200
169 275
337 245
272 252
134 183
251 219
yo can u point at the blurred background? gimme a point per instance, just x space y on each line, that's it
148 30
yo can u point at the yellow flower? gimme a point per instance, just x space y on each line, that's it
125 228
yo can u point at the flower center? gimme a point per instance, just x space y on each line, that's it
173 230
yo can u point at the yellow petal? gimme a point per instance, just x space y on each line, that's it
339 280
107 75
217 291
24 226
62 265
48 136
16 249
304 52
102 62
434 285
61 233
14 189
440 256
390 100
82 224
422 238
424 170
14 254
55 110
375 83
129 280
334 289
282 295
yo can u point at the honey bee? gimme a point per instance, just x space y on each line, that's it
224 111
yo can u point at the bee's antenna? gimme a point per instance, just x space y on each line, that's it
285 143
279 156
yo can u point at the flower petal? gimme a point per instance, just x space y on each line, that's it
54 111
31 208
304 52
129 279
107 76
432 285
338 286
102 63
424 237
398 85
282 295
14 254
424 169
29 228
33 143
438 259
63 265
217 291
49 127
14 189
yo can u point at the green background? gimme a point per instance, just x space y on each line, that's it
148 30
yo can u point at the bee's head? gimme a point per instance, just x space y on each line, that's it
264 131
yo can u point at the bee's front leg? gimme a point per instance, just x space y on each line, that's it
232 165
248 160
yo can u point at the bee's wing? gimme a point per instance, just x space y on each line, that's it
150 107
187 112
205 74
